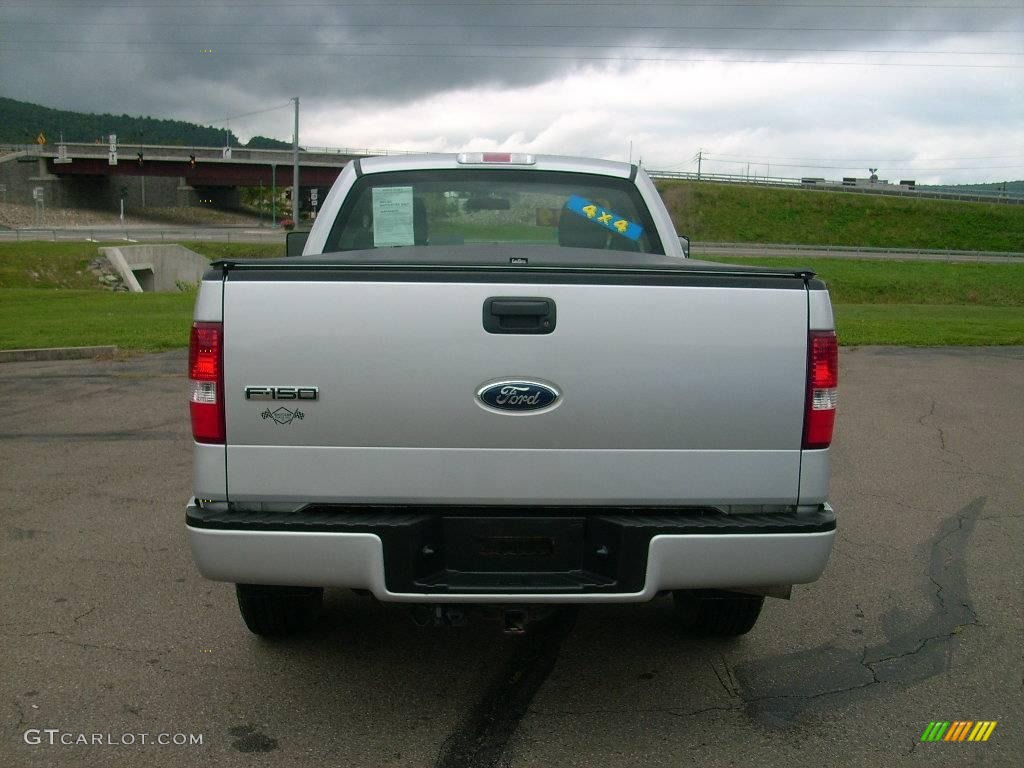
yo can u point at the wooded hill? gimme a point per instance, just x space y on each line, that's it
21 123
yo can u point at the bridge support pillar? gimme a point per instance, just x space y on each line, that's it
186 194
51 185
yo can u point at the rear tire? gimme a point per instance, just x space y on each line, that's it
716 613
271 611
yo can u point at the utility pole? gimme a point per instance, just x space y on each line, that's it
295 165
700 156
273 195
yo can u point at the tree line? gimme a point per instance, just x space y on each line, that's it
22 123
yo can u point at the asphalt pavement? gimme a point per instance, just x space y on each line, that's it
108 630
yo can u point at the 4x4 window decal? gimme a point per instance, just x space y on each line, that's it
604 217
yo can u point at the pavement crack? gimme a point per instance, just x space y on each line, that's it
62 638
915 648
931 412
83 615
22 720
692 712
943 445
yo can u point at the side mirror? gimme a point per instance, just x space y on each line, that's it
684 241
294 242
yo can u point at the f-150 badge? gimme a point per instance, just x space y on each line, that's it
518 396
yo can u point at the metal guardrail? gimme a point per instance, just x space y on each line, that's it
833 186
131 235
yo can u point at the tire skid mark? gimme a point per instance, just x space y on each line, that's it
481 740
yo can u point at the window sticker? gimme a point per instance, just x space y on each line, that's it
392 216
605 218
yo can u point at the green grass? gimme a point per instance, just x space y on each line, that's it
737 213
928 325
66 265
853 281
30 317
919 303
485 233
215 251
47 265
876 302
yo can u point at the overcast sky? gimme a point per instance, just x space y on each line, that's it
802 88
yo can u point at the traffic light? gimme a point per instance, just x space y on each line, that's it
192 161
139 155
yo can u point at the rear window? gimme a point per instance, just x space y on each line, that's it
471 206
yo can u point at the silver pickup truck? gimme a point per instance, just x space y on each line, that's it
494 381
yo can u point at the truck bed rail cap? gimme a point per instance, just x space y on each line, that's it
508 258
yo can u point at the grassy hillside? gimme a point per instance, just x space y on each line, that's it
737 213
66 265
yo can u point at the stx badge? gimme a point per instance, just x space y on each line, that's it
283 415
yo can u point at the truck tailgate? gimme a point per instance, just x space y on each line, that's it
672 390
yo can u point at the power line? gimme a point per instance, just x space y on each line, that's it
203 43
540 4
614 27
248 114
262 54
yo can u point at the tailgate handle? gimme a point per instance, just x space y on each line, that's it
518 314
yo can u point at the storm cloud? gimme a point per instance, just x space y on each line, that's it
823 84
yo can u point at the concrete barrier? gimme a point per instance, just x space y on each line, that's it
54 353
160 268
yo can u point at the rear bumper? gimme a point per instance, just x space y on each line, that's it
458 556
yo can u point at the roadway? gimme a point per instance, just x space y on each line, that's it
698 250
107 628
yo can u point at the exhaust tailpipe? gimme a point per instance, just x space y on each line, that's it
513 622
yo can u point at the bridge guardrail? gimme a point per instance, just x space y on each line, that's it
127 234
272 156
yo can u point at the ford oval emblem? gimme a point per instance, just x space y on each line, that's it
518 395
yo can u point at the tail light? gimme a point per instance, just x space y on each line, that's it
822 392
206 382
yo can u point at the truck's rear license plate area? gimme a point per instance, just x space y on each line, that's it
533 554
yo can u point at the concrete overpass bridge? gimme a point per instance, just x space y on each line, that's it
80 174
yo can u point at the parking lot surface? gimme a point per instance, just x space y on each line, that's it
108 629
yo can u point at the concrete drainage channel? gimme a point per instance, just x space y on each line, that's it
159 268
138 269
